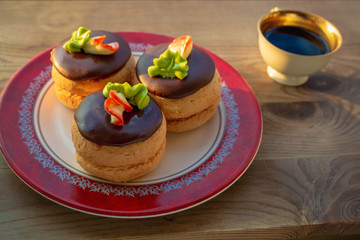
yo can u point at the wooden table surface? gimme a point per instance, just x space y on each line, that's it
305 179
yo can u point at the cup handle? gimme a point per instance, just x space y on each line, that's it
275 9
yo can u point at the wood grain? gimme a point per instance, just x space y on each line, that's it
305 180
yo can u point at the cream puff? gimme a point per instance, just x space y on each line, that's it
119 134
183 80
87 62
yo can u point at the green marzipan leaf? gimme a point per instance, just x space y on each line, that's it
168 65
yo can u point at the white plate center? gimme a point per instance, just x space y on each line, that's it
184 151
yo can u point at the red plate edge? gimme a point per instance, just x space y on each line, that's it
155 38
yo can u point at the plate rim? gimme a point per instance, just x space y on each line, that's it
145 214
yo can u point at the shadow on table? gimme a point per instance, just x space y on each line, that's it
350 237
344 87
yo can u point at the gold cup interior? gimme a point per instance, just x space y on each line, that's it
311 22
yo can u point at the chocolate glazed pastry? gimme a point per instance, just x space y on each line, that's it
201 72
94 122
187 103
118 153
78 74
78 66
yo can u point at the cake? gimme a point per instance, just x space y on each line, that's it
183 80
119 134
87 62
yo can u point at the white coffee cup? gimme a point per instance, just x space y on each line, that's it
289 68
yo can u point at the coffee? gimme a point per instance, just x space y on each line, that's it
297 40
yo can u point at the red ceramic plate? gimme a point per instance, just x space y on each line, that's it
197 166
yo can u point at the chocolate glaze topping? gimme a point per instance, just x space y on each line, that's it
94 122
79 66
201 71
